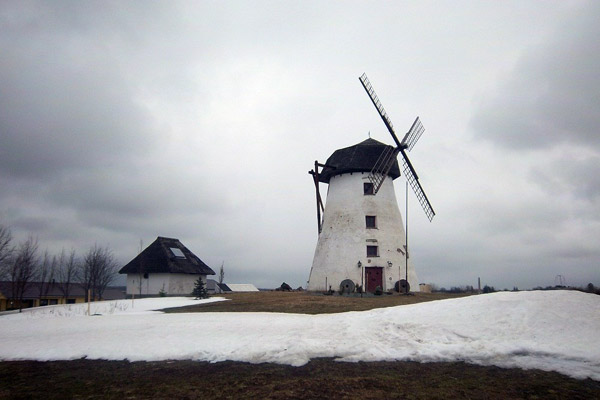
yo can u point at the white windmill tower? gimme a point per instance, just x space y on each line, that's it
362 240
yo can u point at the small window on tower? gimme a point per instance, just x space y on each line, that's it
372 251
368 187
371 221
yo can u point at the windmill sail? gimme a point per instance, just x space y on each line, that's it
373 96
413 135
382 167
413 180
386 160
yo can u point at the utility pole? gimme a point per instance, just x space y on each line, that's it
406 243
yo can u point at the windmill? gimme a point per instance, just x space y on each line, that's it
360 226
386 160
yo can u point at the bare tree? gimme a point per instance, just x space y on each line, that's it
46 271
221 273
5 250
23 269
140 267
66 272
97 270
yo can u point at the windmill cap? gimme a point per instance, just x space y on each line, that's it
358 158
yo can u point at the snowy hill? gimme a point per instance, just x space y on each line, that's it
554 330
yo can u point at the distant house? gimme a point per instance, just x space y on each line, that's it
165 266
49 293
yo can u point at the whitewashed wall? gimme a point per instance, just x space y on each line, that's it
344 238
173 284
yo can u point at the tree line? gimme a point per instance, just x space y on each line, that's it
589 288
22 264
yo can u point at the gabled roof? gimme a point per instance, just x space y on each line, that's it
358 158
167 255
223 287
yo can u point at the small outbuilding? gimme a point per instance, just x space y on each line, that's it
165 267
424 288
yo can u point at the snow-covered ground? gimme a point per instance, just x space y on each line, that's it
113 307
554 330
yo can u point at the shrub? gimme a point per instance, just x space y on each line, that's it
199 291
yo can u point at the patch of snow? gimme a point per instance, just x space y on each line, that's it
554 330
109 307
242 287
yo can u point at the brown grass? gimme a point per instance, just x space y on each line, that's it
309 303
87 379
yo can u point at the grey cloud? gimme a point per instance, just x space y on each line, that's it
552 95
579 176
64 104
126 121
544 117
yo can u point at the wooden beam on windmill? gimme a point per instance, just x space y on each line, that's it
320 208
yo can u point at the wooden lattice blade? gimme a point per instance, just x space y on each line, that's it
413 180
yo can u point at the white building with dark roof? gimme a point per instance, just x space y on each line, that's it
165 266
362 240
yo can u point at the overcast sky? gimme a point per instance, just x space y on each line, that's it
124 121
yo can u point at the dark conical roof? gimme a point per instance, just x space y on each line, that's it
358 158
167 255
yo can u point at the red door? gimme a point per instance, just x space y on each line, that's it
374 277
